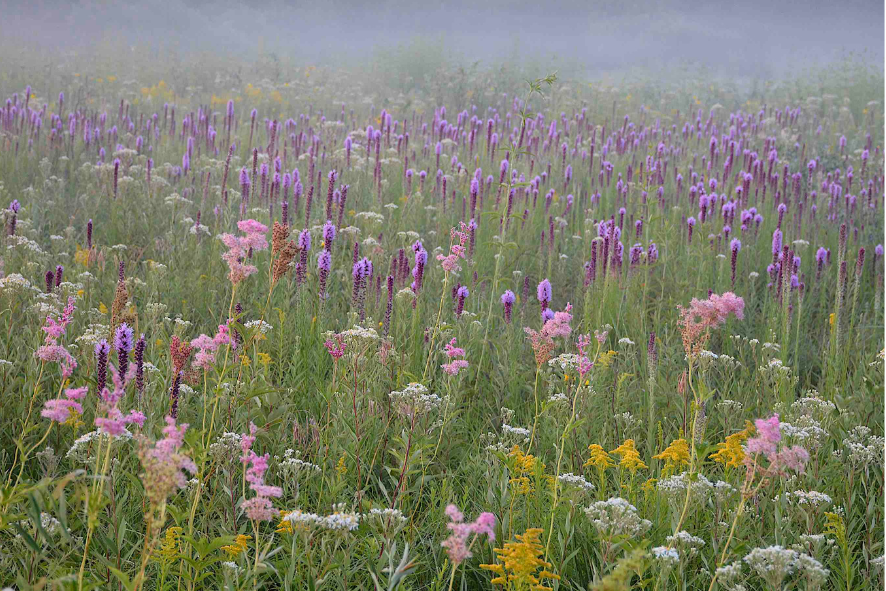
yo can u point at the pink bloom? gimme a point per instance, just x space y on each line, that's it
259 509
76 393
60 409
453 367
252 227
485 525
204 359
457 546
453 351
336 349
246 442
454 514
204 342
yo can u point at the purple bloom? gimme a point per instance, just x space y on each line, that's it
544 293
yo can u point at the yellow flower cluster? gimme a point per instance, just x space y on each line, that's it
674 456
730 451
606 358
599 458
525 466
159 90
171 546
630 457
521 561
341 467
284 527
239 545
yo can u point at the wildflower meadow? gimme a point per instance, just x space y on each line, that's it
270 325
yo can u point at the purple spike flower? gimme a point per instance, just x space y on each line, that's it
461 294
324 264
123 345
102 350
544 294
507 299
140 345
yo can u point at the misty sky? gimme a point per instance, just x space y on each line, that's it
737 38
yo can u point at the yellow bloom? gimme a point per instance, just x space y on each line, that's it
831 318
284 527
341 467
630 457
81 256
265 359
675 455
730 451
648 487
245 361
239 545
521 561
171 546
599 458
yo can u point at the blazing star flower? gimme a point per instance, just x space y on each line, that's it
507 300
544 293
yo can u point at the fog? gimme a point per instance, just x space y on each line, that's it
751 38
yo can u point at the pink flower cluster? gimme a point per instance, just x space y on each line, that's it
455 365
457 250
768 436
259 507
51 351
557 325
457 546
205 357
337 348
114 422
164 463
239 247
61 409
584 363
716 309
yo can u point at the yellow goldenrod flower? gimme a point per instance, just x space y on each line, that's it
599 458
730 451
675 455
630 457
239 545
520 563
171 546
284 527
341 467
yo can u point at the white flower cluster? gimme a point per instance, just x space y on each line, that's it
861 448
674 488
16 283
686 541
565 361
415 399
262 326
292 466
338 521
576 481
812 498
359 333
668 557
79 450
616 517
226 447
371 217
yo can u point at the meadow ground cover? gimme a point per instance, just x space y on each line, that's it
304 328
